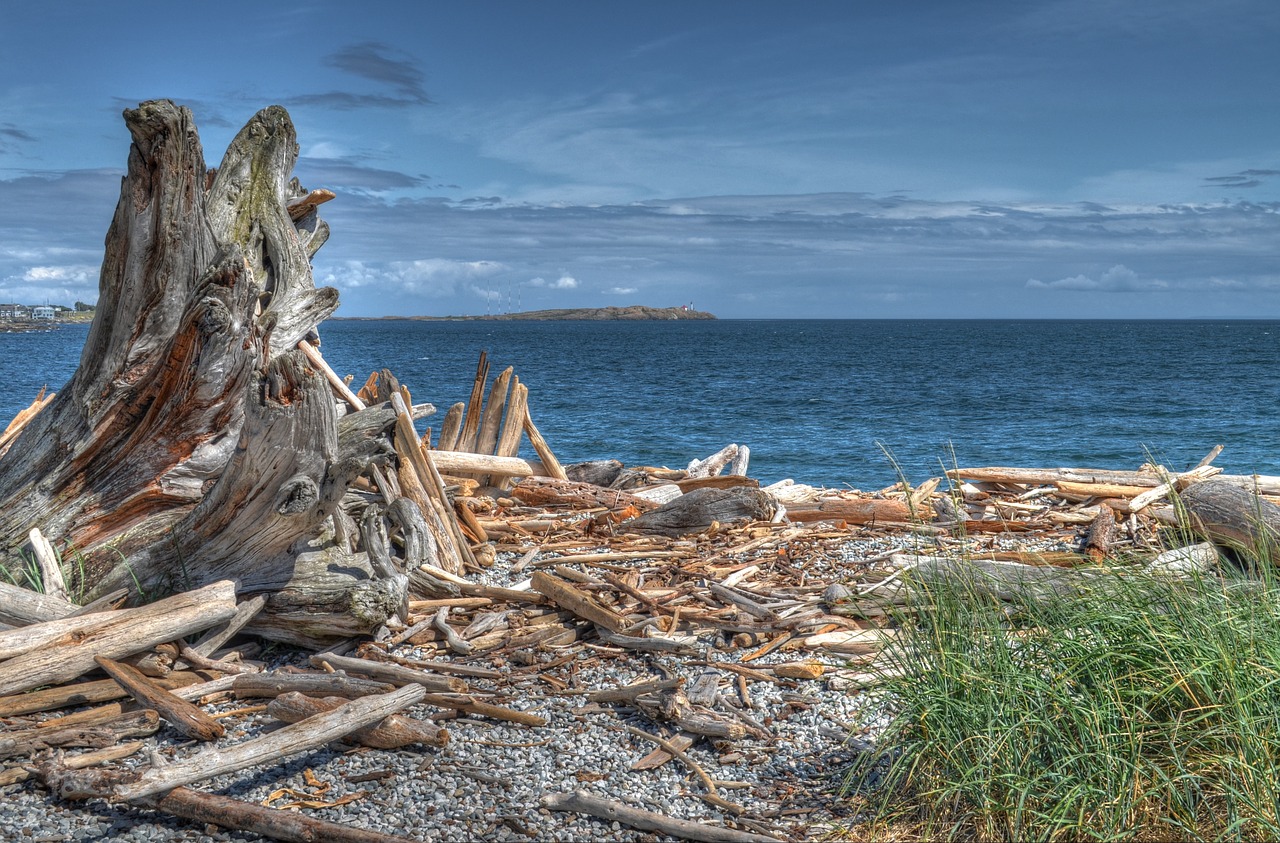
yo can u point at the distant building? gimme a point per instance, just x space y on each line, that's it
11 312
44 311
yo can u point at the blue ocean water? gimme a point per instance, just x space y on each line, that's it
828 402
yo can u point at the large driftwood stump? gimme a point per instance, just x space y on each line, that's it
195 442
1234 516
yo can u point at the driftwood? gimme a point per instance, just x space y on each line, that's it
391 733
83 693
114 635
196 442
698 510
547 491
22 606
269 822
867 511
607 809
188 719
392 673
125 786
29 741
311 684
1235 517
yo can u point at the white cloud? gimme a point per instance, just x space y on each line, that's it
428 276
1117 279
564 282
75 273
621 291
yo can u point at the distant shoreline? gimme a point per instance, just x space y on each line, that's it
632 313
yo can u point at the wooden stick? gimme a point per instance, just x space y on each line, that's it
215 761
579 801
393 673
542 449
339 385
182 715
471 424
115 635
576 601
23 418
483 709
694 767
451 428
50 570
487 439
392 733
269 822
216 637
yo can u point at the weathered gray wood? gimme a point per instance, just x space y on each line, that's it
699 509
134 724
312 684
115 635
393 673
581 802
393 732
124 786
22 606
196 441
1235 517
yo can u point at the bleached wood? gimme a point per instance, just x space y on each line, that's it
22 607
391 733
115 635
550 464
50 570
392 673
494 406
339 385
215 761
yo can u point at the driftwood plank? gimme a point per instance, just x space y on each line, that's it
187 718
393 732
269 822
117 634
126 786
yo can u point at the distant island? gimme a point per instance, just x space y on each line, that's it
631 313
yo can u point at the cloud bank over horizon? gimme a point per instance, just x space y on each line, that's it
803 256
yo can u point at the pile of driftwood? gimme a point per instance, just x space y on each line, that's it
742 584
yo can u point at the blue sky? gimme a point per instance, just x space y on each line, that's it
822 159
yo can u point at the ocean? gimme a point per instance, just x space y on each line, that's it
838 403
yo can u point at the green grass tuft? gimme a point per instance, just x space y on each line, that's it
1138 709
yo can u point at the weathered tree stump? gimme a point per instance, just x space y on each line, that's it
1235 517
698 510
195 442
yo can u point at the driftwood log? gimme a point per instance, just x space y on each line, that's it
1235 517
195 442
698 510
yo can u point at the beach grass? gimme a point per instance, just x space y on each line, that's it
1137 708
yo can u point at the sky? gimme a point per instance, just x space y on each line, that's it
1051 159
